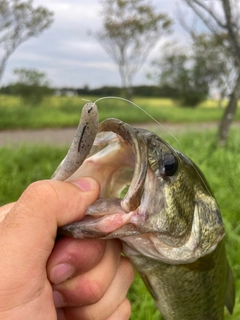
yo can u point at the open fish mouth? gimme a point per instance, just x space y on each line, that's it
118 159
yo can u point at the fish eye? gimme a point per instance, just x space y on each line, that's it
168 165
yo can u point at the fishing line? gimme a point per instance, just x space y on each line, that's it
87 100
148 114
160 125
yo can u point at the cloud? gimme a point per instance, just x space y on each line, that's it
66 51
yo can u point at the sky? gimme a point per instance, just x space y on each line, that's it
69 55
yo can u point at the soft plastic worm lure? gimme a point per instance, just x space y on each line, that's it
82 143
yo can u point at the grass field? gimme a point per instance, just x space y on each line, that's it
220 166
65 112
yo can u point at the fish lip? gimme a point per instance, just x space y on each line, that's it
132 199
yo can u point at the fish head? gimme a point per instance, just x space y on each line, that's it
153 198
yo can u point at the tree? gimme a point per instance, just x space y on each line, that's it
131 29
19 21
222 17
191 71
175 69
217 62
31 77
31 85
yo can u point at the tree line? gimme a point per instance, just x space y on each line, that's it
35 92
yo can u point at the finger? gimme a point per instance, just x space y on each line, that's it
89 287
112 299
71 257
123 312
4 210
29 229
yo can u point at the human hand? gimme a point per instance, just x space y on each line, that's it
86 279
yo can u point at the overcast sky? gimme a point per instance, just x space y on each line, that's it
68 54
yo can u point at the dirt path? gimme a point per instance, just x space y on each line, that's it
61 137
58 137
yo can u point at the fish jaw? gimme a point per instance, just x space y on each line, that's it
106 219
100 227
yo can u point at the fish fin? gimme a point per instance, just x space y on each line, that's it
205 263
230 291
148 285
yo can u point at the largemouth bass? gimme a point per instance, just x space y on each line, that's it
158 203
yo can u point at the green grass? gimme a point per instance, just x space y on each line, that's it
65 112
22 165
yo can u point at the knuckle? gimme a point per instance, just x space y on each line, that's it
127 309
39 190
96 292
126 269
90 314
40 194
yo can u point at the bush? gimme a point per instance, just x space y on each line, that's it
192 98
31 94
31 85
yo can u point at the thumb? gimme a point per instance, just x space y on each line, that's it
28 231
4 210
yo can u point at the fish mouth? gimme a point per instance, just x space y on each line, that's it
118 160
